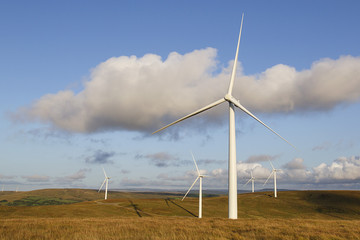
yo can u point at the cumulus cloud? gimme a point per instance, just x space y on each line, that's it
100 157
36 178
219 177
342 170
142 94
296 163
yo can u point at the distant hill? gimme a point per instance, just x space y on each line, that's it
66 196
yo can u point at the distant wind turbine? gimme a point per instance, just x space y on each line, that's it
273 172
200 187
232 174
106 180
252 179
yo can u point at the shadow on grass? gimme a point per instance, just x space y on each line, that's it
135 206
167 200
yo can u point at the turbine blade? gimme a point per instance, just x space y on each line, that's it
102 185
247 182
194 113
190 189
236 59
272 165
236 103
104 173
251 174
268 177
197 169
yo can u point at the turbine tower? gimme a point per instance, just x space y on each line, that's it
232 174
200 187
106 180
252 179
273 172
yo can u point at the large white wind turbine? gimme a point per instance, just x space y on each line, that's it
273 172
252 179
232 175
106 180
200 187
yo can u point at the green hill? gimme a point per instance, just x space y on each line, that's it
293 215
89 203
66 196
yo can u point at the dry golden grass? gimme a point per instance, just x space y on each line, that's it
176 228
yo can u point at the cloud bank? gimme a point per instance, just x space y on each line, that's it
343 172
142 94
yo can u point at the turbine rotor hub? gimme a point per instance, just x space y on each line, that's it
228 97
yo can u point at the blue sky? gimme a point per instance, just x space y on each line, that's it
83 84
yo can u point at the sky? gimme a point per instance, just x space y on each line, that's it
84 84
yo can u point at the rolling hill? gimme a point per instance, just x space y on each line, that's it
89 203
293 215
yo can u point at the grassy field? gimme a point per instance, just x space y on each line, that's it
293 215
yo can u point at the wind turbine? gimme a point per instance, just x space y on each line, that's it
252 179
106 180
232 174
200 187
273 172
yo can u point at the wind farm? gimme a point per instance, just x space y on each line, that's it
102 103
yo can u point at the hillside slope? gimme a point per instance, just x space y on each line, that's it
288 205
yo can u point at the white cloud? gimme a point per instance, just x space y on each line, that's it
142 94
296 163
258 170
342 170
